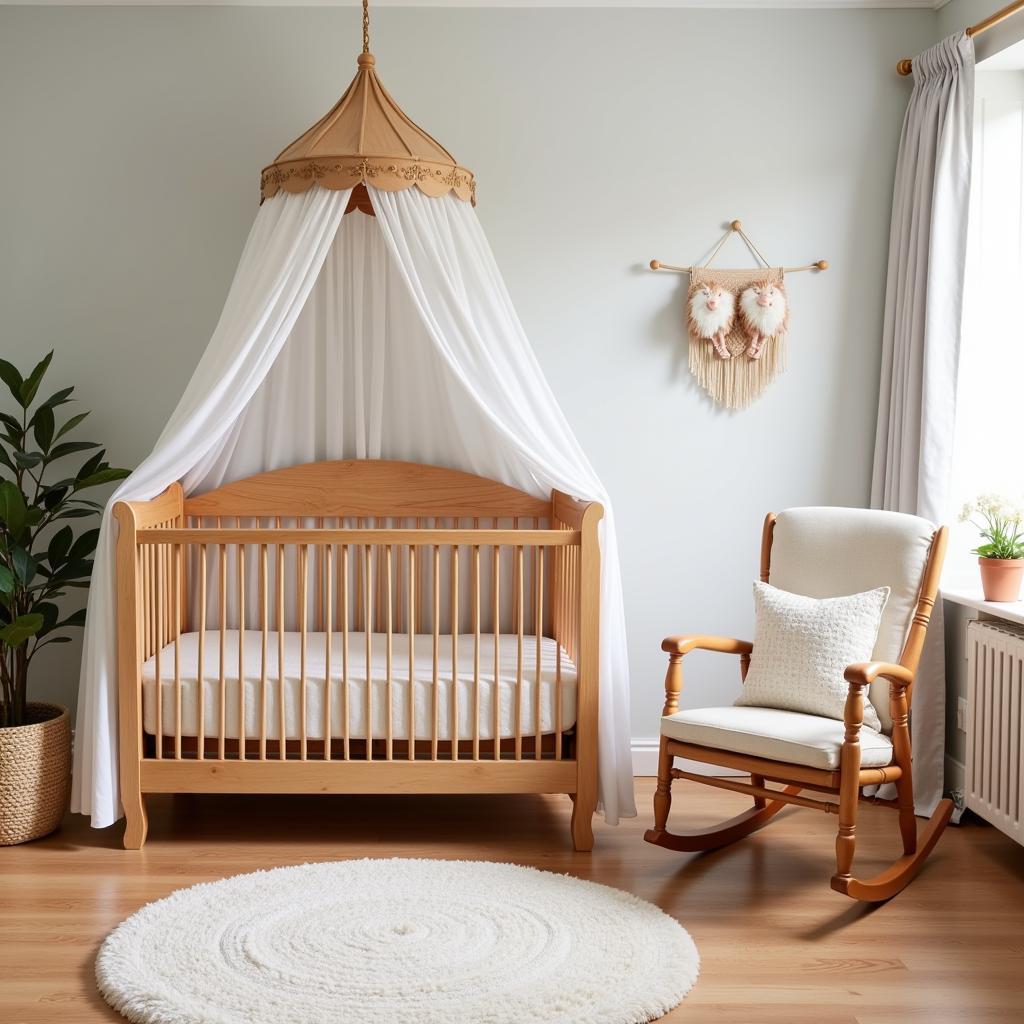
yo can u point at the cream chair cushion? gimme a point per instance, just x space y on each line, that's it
802 645
777 735
829 552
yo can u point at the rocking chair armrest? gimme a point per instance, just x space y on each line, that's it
721 644
864 673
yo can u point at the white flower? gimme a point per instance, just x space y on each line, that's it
966 512
990 504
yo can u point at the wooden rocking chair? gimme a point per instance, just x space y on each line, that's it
819 552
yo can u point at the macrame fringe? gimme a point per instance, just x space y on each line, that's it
737 382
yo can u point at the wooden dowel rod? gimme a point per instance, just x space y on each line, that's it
743 787
818 265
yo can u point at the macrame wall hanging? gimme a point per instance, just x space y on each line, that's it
737 322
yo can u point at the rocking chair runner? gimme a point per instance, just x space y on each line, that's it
820 552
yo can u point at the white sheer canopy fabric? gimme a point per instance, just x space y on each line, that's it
358 337
921 343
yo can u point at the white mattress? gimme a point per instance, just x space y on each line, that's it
357 686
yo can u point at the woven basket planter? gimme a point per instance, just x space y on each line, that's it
35 774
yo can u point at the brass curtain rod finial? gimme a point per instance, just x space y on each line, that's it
655 265
821 265
905 67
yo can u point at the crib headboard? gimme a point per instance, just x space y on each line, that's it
366 487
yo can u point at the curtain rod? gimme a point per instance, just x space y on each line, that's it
906 66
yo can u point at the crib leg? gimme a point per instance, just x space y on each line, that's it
136 820
582 826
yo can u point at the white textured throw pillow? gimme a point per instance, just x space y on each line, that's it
802 645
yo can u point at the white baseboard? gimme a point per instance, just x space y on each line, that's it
645 760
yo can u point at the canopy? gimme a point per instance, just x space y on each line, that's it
388 337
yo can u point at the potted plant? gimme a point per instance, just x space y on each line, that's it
43 555
1001 557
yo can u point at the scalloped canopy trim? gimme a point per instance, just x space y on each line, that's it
388 173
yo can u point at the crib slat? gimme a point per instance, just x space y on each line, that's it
387 655
367 626
176 615
437 648
264 629
558 680
411 729
282 720
476 650
241 652
318 580
159 566
145 554
328 562
344 650
222 678
538 607
455 652
360 624
379 585
399 590
201 658
519 606
303 554
496 699
420 583
517 584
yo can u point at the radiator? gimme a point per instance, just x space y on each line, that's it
995 728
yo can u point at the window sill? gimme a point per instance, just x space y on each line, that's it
1009 611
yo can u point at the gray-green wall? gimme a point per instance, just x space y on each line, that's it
132 142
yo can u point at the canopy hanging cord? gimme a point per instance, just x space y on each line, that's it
366 26
737 226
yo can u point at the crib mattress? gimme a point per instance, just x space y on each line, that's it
358 674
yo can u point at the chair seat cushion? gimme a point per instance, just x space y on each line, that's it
777 735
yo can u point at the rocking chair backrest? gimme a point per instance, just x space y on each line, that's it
831 552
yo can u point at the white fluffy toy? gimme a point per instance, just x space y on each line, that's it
764 313
712 312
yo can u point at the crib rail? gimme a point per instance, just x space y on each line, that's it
418 596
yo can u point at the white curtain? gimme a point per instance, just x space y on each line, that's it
455 284
283 255
921 343
356 373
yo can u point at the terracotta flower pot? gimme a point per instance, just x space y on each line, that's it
1001 578
35 774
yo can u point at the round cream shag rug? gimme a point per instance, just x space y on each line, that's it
400 942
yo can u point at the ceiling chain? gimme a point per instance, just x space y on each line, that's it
366 26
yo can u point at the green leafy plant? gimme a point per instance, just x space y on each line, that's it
999 526
42 556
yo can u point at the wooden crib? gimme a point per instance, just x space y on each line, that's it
358 627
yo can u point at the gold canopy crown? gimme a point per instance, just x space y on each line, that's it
367 139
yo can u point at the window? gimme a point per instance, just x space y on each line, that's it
989 443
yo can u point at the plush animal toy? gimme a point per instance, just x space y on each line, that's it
712 312
763 312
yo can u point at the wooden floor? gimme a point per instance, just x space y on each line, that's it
777 944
